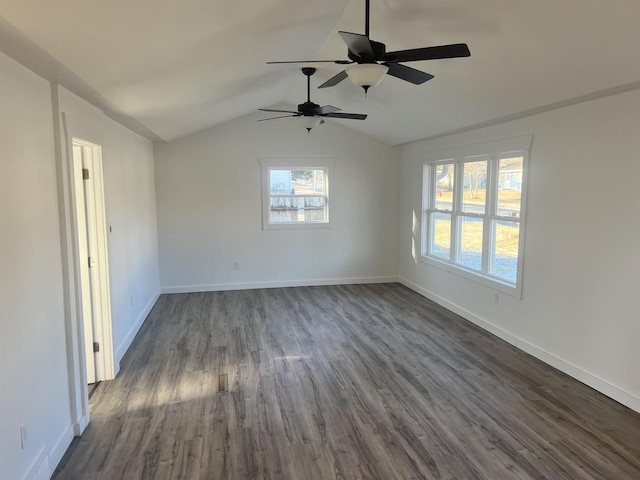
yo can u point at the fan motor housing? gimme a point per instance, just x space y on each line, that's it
308 108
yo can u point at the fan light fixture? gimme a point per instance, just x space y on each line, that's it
366 75
309 121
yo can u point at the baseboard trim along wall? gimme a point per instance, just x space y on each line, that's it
40 468
602 386
126 343
60 448
79 426
277 284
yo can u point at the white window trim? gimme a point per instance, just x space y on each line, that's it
279 163
493 149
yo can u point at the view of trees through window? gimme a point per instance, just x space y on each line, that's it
484 211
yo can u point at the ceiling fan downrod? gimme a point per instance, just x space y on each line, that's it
366 18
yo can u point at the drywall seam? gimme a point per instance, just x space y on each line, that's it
602 386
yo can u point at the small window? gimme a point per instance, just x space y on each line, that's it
472 221
295 193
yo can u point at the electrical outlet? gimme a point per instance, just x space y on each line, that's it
236 265
496 296
24 435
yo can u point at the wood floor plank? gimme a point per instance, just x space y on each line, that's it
341 382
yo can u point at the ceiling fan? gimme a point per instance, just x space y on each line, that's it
369 61
312 113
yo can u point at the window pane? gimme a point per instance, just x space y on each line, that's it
298 208
308 181
297 195
471 242
509 186
475 187
444 186
280 181
441 235
314 209
505 263
298 181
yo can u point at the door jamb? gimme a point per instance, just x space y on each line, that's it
105 365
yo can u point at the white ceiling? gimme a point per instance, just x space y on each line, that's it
181 66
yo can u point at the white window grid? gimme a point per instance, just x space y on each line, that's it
302 196
489 218
327 165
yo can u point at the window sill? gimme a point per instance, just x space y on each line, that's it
484 280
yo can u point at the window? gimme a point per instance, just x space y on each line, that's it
472 217
295 193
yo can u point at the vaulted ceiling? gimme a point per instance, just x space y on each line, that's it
171 68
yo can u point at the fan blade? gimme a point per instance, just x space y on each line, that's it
339 62
326 109
351 116
283 116
336 79
276 111
429 53
358 44
407 74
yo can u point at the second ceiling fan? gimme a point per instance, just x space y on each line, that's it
311 113
369 61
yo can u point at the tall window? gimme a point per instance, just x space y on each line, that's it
472 218
295 193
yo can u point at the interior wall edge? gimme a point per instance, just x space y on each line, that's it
606 388
607 92
25 51
277 284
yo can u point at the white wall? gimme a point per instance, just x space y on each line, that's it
209 209
33 369
35 332
133 241
579 309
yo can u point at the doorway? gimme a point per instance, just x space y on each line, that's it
91 234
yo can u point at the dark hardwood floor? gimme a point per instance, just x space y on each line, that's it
341 382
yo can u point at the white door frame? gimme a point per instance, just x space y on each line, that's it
78 387
93 259
101 297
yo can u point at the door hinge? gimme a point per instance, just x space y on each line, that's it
92 262
96 347
85 174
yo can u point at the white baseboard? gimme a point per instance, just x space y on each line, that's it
59 449
39 469
276 284
80 425
602 386
126 343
